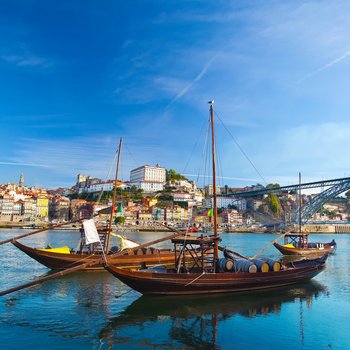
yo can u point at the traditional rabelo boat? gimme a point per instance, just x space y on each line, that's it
63 257
298 244
206 273
124 255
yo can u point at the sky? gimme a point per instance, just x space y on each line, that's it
75 76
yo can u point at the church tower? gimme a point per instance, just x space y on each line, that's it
21 180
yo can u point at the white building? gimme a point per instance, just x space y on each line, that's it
105 186
225 202
149 178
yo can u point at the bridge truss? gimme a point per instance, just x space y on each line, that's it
335 187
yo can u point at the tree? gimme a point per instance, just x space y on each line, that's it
274 204
171 174
273 186
119 220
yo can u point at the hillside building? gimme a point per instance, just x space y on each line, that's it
148 178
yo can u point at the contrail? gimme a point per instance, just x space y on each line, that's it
25 164
197 78
326 66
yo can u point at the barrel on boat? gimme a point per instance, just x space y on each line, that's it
242 265
225 265
273 264
262 266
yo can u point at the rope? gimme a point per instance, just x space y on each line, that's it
240 148
203 273
275 240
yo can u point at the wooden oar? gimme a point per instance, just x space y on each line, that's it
232 252
144 245
275 240
38 231
82 266
50 277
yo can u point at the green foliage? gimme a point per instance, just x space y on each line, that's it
119 220
165 197
171 174
274 204
182 204
273 186
347 195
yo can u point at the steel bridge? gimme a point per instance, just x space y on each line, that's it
334 188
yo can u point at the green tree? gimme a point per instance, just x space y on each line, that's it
274 204
119 220
171 174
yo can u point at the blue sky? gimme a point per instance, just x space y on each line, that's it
78 75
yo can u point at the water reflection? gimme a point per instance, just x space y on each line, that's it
192 322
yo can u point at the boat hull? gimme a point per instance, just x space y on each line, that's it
327 248
155 283
59 261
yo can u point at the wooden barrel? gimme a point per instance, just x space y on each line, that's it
242 265
225 265
273 264
262 266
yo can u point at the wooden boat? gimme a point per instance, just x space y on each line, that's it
206 273
131 259
298 244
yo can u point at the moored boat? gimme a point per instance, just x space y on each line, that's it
298 244
206 273
131 259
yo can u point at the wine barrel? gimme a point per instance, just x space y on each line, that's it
262 266
273 264
225 265
241 265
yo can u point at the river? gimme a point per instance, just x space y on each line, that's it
93 310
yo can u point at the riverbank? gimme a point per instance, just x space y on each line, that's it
310 228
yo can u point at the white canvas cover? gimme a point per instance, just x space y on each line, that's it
91 234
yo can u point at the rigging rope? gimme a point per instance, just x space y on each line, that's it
241 149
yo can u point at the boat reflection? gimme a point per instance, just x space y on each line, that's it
192 321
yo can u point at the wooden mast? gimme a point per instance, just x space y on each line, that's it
299 204
114 197
215 211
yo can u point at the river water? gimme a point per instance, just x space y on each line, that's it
93 310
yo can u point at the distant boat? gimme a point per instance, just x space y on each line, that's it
298 244
206 273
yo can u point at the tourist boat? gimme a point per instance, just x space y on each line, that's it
63 258
206 273
298 244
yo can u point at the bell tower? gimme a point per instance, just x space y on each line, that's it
21 180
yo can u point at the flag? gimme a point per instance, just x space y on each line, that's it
91 234
120 208
209 213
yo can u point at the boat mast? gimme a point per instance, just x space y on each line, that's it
114 196
215 211
299 212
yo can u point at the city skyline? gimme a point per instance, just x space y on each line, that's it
77 76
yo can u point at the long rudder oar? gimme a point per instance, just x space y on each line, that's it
46 278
